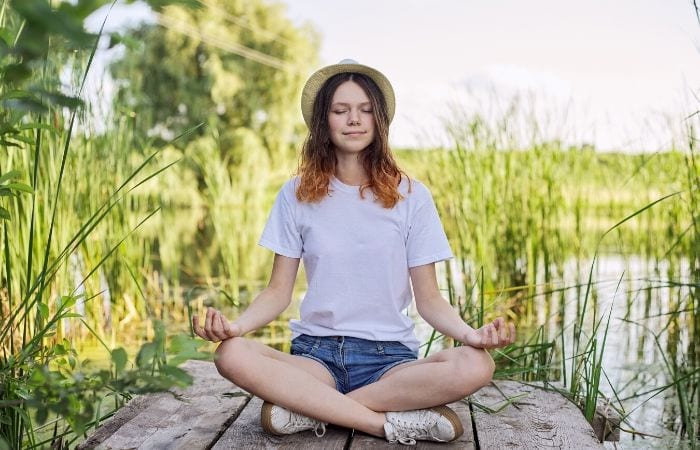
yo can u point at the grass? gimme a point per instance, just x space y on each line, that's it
107 234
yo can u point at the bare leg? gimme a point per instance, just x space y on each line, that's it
441 378
294 382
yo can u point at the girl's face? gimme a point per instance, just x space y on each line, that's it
351 120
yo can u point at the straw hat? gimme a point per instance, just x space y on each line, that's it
315 82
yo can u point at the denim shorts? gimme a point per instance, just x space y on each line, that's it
353 362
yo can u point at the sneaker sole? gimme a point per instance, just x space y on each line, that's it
449 414
266 418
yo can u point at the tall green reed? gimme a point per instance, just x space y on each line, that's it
40 371
515 213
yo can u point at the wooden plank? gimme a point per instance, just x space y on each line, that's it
125 414
246 432
183 419
466 441
541 419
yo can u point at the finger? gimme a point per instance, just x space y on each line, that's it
197 327
484 333
216 326
207 321
499 323
485 336
502 330
198 330
208 325
494 335
225 326
512 333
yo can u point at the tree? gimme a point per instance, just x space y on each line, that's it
232 64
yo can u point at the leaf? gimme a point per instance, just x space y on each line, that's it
9 175
183 347
41 415
60 99
25 139
160 4
24 105
42 19
21 187
5 214
14 73
146 355
66 301
119 358
7 143
72 316
59 349
43 310
124 39
35 126
6 36
180 376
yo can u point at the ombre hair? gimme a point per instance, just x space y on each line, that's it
318 160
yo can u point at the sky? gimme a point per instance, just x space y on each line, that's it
618 75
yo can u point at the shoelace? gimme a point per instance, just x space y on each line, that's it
406 431
298 420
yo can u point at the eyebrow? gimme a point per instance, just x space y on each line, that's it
348 104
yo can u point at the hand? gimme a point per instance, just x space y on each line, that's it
492 335
216 327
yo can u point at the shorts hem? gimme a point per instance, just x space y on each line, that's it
380 373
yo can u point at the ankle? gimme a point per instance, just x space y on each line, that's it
376 426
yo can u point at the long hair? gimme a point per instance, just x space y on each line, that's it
318 161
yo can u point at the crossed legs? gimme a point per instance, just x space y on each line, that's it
305 386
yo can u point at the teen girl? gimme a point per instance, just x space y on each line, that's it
366 233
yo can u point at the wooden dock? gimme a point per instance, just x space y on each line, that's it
215 414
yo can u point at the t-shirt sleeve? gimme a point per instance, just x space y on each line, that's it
281 234
427 242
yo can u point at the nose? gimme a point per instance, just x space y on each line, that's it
354 117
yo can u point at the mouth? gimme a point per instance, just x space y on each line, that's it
354 133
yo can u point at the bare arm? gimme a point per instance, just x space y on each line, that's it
266 306
440 315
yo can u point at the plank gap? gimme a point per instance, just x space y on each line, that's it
227 424
477 446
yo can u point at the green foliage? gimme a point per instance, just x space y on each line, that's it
40 372
8 188
33 36
60 387
233 64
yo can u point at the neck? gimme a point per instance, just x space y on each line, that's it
349 171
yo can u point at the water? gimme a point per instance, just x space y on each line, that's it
643 331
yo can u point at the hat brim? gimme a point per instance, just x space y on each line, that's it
318 78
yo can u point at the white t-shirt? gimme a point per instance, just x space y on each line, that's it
356 254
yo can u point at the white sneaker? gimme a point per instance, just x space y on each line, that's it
278 420
435 424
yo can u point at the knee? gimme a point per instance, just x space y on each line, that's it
230 359
477 368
